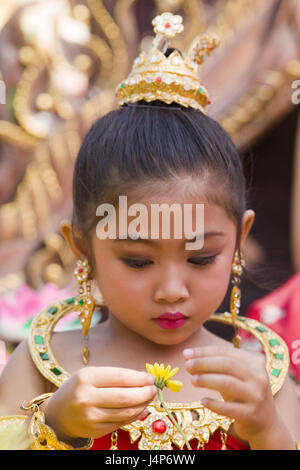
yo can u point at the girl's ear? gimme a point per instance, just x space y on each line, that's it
66 230
247 222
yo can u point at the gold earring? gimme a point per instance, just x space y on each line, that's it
84 303
238 266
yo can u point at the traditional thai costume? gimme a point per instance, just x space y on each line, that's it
169 78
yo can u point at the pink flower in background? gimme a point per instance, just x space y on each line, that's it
18 307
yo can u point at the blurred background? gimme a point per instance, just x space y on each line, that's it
60 61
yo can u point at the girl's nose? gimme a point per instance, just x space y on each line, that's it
171 288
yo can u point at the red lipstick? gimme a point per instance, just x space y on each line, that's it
172 316
171 320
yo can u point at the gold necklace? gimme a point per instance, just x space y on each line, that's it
150 434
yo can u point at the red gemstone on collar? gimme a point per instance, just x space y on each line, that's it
159 426
158 79
167 25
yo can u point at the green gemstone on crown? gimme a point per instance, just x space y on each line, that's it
200 90
156 447
56 371
52 310
38 339
122 85
81 302
273 342
70 301
276 372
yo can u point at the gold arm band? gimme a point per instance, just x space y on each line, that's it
35 402
42 436
297 446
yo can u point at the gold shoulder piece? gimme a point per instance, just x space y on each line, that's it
39 341
275 348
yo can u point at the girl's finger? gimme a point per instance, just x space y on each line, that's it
114 377
113 415
229 387
218 364
222 351
122 397
233 410
255 362
108 427
97 428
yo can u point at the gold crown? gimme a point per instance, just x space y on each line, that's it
154 76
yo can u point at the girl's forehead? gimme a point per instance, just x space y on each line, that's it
177 209
203 223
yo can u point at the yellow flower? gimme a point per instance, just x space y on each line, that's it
162 376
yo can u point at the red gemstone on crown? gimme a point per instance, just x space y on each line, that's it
80 270
167 25
158 79
159 426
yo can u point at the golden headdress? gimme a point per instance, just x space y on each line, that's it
154 76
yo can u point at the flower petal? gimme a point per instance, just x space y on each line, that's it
161 370
174 385
167 371
157 369
150 369
173 372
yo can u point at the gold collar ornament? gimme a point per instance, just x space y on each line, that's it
172 79
196 421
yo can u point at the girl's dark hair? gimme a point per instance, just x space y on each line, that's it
145 143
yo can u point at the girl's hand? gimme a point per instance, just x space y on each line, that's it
98 400
242 380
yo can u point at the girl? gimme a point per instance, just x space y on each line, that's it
154 153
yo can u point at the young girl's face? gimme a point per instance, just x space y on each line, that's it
141 280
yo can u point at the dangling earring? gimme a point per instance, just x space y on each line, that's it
84 303
235 299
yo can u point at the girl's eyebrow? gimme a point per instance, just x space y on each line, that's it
155 242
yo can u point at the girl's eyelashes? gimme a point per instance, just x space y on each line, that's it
202 261
136 263
198 261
